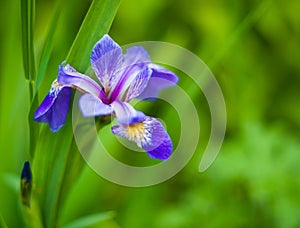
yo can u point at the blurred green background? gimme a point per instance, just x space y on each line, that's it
251 46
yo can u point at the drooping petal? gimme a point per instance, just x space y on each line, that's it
91 106
68 76
148 134
163 151
126 114
106 60
54 108
135 61
139 84
161 78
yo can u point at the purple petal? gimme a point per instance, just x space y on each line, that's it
106 60
136 55
54 108
92 106
126 114
135 60
139 84
68 76
163 151
149 135
161 78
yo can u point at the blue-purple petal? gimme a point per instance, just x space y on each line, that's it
54 108
68 76
163 151
135 61
92 106
156 132
148 134
136 55
139 84
106 60
126 114
161 78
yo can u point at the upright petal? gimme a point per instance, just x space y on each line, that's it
126 114
106 60
54 108
68 76
148 134
161 78
136 55
135 61
91 106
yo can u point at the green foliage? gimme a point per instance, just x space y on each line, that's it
2 222
27 19
252 48
54 174
97 22
96 220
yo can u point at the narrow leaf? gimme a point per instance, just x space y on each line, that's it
2 222
54 168
47 50
33 127
27 21
91 220
96 23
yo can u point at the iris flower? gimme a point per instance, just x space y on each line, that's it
122 77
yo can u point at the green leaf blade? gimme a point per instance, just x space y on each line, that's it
48 46
94 220
95 25
56 154
27 22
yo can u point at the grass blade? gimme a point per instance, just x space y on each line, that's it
47 50
91 220
52 170
27 21
101 12
2 222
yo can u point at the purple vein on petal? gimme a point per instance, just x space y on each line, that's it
68 76
106 60
135 60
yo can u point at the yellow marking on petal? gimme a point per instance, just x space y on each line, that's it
136 132
56 83
78 89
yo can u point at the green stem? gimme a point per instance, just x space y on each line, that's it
31 89
27 22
